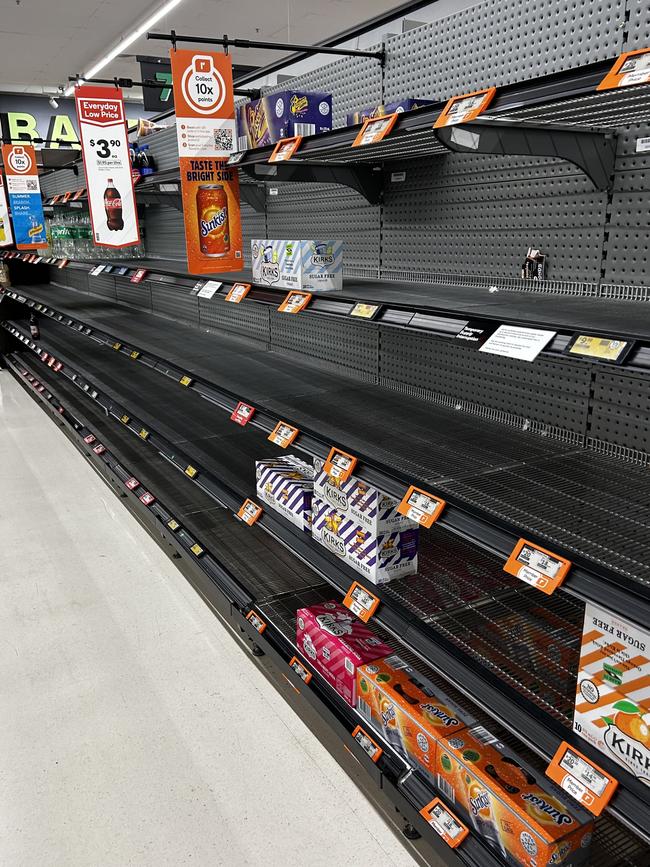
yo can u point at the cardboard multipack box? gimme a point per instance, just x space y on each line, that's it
286 484
310 265
407 709
389 108
285 114
360 501
612 705
525 817
379 557
336 643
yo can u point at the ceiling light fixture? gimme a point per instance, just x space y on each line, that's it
124 43
53 102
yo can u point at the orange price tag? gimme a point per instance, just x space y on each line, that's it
421 506
361 602
79 194
300 669
339 465
295 302
283 434
537 566
249 512
62 263
374 129
285 149
466 107
581 778
56 198
242 413
256 621
66 196
633 67
367 744
445 823
238 291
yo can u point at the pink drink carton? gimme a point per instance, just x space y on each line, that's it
335 642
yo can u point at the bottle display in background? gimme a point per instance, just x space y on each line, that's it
71 237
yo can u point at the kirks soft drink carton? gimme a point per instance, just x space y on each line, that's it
312 265
612 705
336 643
360 501
379 557
407 709
525 817
286 484
285 114
389 108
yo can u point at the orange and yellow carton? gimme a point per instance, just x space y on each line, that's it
525 817
408 710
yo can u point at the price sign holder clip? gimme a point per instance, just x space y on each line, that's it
242 413
361 601
375 129
249 512
421 506
339 465
445 823
283 434
367 744
295 302
256 621
583 779
238 292
285 149
536 566
300 669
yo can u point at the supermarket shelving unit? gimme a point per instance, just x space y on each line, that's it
511 652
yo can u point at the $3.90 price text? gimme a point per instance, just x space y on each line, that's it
104 146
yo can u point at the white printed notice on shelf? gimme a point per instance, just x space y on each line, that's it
209 288
514 342
6 238
105 148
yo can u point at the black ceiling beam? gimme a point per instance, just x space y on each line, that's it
226 42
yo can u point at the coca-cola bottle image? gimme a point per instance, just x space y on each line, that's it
113 207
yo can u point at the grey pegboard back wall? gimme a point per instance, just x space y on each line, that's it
497 43
477 215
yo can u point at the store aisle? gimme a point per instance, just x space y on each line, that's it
134 730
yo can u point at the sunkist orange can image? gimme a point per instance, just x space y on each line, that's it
213 222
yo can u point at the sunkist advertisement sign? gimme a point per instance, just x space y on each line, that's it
205 127
24 196
105 149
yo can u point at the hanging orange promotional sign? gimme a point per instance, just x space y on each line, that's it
205 127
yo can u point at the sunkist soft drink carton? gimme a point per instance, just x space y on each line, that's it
520 813
337 643
407 709
361 525
284 114
298 264
612 705
286 484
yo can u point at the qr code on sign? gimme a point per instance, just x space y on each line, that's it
223 140
32 185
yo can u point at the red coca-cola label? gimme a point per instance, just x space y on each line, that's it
113 204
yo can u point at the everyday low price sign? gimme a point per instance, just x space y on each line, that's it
24 196
205 127
105 148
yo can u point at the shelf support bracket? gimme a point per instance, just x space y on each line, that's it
592 152
366 179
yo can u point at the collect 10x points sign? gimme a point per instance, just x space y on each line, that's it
104 140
